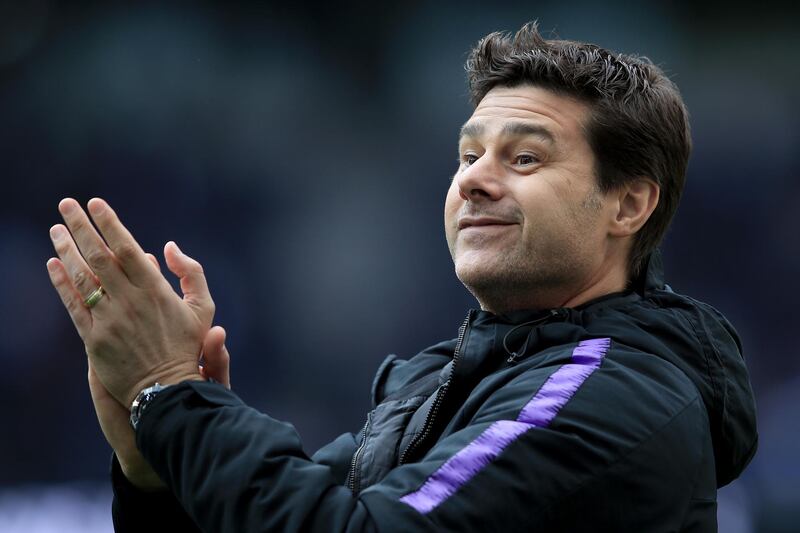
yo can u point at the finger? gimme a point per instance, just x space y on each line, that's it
80 315
154 260
193 281
91 245
216 359
129 254
79 273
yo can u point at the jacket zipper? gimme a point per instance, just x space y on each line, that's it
355 478
437 402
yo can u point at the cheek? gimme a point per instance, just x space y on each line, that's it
548 221
452 204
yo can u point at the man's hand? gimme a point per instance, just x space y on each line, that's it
140 331
113 416
115 419
216 359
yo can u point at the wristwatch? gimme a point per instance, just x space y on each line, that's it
142 400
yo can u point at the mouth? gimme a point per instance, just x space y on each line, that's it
483 222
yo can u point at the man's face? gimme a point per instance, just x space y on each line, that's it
523 216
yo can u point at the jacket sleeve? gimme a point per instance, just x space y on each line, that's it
541 450
134 510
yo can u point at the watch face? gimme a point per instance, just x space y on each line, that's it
140 403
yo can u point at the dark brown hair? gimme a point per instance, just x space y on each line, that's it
639 126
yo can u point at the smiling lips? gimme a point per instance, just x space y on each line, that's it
480 222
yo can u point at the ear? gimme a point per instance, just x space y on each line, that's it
636 201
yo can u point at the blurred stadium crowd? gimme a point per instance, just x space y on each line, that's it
302 155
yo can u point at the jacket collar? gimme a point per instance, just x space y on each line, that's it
651 278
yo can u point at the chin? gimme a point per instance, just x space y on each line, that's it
493 289
497 282
479 277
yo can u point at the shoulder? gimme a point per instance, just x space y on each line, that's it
611 383
634 395
609 403
632 425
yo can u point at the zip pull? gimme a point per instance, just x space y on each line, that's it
514 357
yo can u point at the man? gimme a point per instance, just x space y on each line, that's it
585 395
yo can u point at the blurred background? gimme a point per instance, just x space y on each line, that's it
302 154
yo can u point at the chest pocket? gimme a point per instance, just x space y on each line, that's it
387 427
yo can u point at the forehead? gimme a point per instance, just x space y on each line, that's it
563 116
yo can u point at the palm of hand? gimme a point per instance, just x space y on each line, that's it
114 418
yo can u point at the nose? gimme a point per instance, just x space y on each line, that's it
481 181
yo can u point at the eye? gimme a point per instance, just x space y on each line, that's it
468 159
526 159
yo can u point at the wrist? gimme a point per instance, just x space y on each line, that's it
180 377
140 474
172 377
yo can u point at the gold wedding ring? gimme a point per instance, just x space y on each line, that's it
95 297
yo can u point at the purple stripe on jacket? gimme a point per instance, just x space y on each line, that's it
538 412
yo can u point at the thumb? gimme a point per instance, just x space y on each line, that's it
216 359
193 281
153 260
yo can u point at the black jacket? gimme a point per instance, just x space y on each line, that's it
624 414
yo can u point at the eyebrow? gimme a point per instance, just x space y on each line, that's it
510 129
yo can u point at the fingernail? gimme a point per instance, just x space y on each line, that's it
51 265
66 206
96 206
178 248
57 233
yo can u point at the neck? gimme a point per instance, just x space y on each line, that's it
604 281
